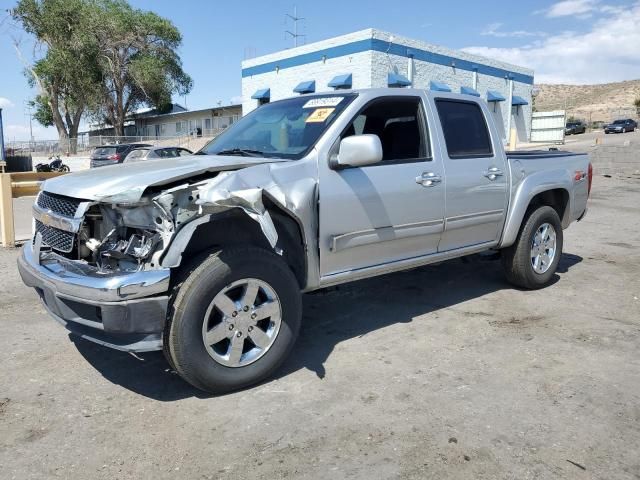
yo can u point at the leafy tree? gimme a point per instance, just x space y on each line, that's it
66 74
137 60
101 57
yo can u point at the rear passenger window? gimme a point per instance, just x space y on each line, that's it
465 129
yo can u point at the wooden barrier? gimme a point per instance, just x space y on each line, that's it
16 185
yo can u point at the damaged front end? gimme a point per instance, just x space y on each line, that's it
124 238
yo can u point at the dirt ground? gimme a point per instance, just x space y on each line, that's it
439 372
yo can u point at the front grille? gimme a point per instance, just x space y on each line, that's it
59 204
55 238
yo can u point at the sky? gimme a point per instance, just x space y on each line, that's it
568 41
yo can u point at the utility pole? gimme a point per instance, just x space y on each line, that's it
31 140
295 18
2 158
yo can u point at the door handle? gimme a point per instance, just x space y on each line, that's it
493 173
428 179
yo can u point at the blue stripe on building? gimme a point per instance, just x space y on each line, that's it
393 49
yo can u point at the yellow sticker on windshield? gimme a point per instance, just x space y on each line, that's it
319 115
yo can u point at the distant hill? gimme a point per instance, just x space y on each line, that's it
604 102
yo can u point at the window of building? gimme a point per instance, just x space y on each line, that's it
180 127
465 129
207 124
400 125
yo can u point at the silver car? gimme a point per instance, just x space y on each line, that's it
149 153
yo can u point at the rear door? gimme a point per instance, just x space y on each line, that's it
389 211
477 175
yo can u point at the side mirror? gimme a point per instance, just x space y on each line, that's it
359 150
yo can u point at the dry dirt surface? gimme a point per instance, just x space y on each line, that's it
440 372
603 102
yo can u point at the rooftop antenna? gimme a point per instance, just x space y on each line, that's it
295 18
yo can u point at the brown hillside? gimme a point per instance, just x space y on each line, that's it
604 102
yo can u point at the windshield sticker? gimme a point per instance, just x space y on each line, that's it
323 102
319 115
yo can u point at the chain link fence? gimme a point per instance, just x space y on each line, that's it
84 145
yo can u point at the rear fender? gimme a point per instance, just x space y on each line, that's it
523 192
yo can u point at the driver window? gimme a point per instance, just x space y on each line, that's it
400 126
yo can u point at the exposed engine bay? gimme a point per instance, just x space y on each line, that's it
130 237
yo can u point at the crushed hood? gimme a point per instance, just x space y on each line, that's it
125 183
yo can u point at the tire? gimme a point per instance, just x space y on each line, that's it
221 275
517 260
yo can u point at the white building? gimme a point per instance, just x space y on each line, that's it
177 122
205 122
372 58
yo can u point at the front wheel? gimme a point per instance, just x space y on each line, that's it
532 260
233 320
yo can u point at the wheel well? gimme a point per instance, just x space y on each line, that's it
558 199
235 228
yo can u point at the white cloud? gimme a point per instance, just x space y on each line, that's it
565 8
495 30
597 56
5 103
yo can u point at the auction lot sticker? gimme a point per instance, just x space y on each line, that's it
319 115
323 102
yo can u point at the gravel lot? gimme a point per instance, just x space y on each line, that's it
439 372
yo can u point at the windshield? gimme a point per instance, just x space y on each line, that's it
618 122
284 129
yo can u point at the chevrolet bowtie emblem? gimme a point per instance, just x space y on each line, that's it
45 218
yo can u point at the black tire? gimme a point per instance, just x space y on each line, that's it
516 259
182 339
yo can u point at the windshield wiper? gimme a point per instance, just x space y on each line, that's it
243 152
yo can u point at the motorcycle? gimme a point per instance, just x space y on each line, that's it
55 165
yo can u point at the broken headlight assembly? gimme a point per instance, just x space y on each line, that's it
114 238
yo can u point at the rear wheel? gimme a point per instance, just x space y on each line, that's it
233 320
532 260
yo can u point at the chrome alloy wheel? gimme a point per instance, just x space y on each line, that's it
242 322
543 248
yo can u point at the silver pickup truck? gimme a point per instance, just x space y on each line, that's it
206 256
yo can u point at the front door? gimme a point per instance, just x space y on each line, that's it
477 176
389 211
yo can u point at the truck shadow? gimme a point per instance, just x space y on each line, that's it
330 317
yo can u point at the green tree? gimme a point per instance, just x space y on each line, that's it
101 57
65 74
137 59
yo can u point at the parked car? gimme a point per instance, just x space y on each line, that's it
150 153
621 126
573 128
206 258
113 154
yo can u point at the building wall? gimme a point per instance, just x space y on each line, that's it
324 60
189 121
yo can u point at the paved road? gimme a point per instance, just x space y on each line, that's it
439 372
